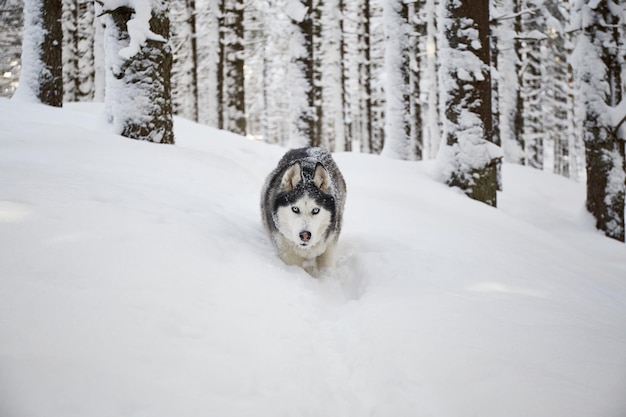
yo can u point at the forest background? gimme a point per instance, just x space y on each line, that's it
379 76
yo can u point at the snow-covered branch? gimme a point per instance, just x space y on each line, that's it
509 16
533 35
138 26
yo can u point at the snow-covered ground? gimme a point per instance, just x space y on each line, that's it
136 280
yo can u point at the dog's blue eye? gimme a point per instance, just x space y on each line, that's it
295 209
315 210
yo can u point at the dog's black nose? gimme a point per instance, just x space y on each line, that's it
305 236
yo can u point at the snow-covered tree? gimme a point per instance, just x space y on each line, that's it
367 101
78 50
418 37
267 69
301 73
429 90
185 59
398 81
99 78
531 77
557 77
506 68
600 59
467 159
207 39
138 64
330 44
11 23
41 78
231 70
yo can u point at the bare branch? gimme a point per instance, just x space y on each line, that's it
509 16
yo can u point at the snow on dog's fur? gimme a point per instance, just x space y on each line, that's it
302 205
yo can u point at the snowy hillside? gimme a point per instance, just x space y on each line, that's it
136 280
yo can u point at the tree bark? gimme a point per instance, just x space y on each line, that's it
468 158
142 108
602 89
42 67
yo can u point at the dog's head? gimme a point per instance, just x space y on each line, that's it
305 208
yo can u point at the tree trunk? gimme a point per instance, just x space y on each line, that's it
467 159
191 8
232 47
78 50
139 90
42 66
303 94
600 72
398 86
367 72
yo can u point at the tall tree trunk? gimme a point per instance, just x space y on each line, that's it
221 65
343 142
302 62
398 86
78 50
495 96
468 158
419 27
11 24
191 7
367 73
317 40
600 73
518 119
42 66
234 117
140 102
185 59
531 86
432 111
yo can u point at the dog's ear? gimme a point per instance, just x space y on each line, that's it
321 179
292 177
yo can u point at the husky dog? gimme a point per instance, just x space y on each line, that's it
302 205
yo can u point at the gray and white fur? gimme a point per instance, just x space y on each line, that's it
302 205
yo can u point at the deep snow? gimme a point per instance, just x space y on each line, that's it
136 280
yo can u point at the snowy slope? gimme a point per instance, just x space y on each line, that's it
136 280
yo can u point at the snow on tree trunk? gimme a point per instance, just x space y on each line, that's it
316 85
233 94
398 81
185 59
368 133
207 38
599 59
78 50
559 125
419 26
273 58
432 133
138 94
99 58
467 159
331 66
532 88
504 21
301 73
11 24
41 78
